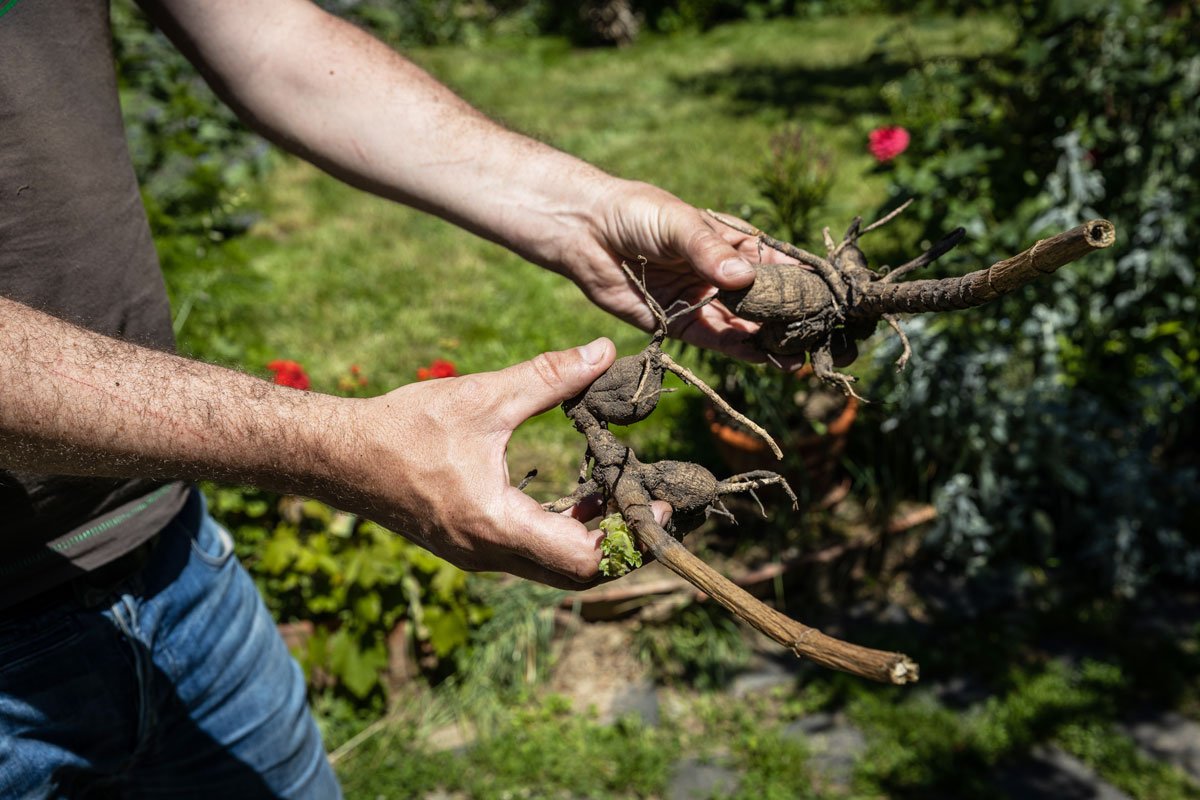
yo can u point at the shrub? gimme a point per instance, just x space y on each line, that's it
197 166
1058 427
353 580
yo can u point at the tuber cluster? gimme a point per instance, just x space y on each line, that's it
627 393
822 304
815 307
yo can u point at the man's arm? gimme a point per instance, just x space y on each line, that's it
426 460
340 98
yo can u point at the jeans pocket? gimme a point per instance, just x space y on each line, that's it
35 637
212 544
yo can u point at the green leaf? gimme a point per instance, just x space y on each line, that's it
356 667
279 552
447 629
620 554
369 607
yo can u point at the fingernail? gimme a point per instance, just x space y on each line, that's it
593 352
736 268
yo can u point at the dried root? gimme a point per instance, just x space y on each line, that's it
629 390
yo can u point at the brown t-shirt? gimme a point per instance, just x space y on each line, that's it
75 243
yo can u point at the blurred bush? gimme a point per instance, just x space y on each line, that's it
1058 427
433 22
197 165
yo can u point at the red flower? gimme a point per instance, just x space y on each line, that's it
440 368
887 143
289 373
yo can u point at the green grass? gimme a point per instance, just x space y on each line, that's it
334 277
545 750
918 745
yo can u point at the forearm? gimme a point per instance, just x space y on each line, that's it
340 98
76 403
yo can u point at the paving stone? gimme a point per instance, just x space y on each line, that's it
640 698
1052 773
1168 736
834 745
764 673
693 779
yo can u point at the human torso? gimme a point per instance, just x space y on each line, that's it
75 243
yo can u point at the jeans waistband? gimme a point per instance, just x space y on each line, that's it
89 589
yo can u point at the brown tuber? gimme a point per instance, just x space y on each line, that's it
812 306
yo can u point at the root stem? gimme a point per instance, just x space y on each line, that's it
688 376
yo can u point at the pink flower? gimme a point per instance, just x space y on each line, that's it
887 143
289 373
440 368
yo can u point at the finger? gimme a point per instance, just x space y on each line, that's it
711 256
662 513
587 509
556 542
524 568
789 363
714 327
533 386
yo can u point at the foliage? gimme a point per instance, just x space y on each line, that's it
509 655
193 158
619 553
354 580
198 167
545 750
1058 426
441 22
920 747
795 180
434 22
699 645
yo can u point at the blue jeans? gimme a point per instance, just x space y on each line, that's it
177 685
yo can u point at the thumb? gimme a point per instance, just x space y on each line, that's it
543 382
713 258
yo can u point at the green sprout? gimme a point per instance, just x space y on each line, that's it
620 553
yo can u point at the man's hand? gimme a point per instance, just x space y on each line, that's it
688 256
426 460
432 467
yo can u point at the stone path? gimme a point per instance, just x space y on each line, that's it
1167 736
834 743
1050 772
693 779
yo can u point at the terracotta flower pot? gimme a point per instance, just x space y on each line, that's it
819 453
